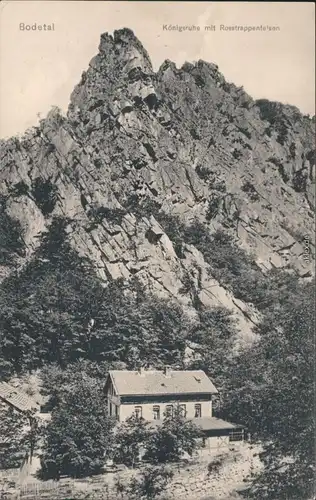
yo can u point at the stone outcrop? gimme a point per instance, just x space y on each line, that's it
184 139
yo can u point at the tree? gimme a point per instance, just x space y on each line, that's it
214 337
15 437
57 383
130 440
11 236
56 310
39 305
173 438
272 393
79 436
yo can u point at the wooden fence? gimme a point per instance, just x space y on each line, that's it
55 490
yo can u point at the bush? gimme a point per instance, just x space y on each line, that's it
149 484
113 215
130 439
172 439
141 206
215 465
45 195
214 205
274 114
249 188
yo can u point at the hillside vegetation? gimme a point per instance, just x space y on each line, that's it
167 218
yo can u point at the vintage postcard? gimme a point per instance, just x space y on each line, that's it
157 250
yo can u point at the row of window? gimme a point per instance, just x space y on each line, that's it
138 411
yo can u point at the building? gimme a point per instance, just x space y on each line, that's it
13 397
19 401
150 394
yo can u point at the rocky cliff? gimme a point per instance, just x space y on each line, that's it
138 148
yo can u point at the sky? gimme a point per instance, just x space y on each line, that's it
39 69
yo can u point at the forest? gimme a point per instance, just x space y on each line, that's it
57 317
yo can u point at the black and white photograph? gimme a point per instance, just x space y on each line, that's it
157 250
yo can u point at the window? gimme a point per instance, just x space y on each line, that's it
110 409
236 435
138 411
117 412
183 410
156 412
197 411
169 410
203 442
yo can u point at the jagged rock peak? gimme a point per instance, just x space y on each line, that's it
122 66
179 145
126 46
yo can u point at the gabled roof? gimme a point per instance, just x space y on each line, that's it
154 382
17 399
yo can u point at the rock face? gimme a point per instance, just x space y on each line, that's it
187 141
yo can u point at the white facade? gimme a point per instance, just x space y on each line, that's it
156 411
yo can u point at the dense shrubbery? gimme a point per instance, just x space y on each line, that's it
79 435
57 382
45 195
149 484
269 110
214 205
15 437
214 337
130 439
165 443
175 437
56 310
273 112
271 390
113 215
141 206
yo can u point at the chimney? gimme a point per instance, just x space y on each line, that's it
167 371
